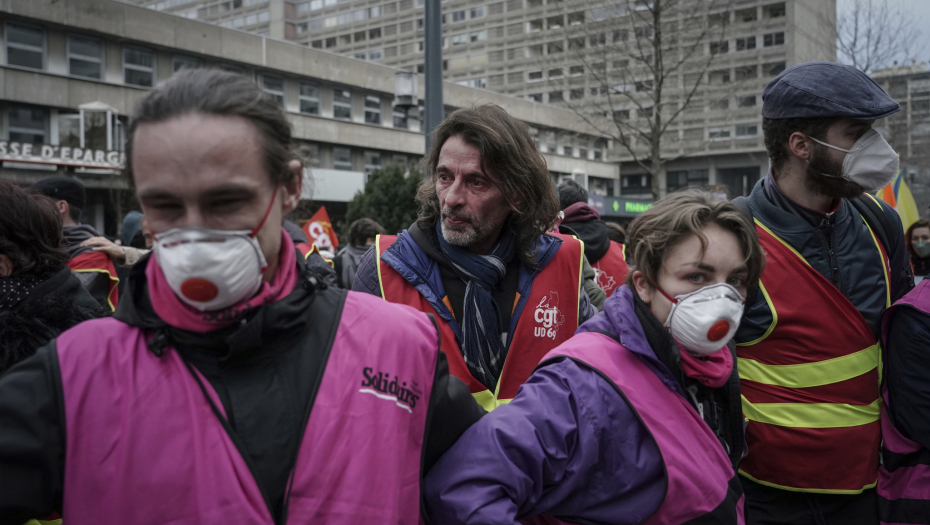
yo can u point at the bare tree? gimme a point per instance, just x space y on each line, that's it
644 63
874 33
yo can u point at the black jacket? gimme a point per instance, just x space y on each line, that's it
264 369
52 306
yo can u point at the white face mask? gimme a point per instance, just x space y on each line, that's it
705 320
212 269
870 163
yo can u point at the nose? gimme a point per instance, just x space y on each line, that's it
454 194
192 216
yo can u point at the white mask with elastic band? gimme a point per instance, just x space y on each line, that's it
705 320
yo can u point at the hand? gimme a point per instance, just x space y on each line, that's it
101 244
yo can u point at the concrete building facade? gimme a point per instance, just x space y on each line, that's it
71 72
537 49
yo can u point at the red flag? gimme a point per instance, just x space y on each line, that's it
320 231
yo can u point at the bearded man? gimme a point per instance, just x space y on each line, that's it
809 359
503 290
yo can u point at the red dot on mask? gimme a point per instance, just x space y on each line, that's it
718 331
200 290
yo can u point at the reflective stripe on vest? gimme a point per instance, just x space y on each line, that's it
307 249
612 268
701 486
549 317
99 262
810 384
144 446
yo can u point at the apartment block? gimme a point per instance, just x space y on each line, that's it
71 71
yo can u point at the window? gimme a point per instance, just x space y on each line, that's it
676 180
718 133
309 95
372 109
459 16
567 151
534 76
746 44
553 48
372 161
274 86
534 25
375 54
342 104
535 50
597 39
773 68
27 125
180 62
342 159
535 97
576 18
374 12
718 105
85 57
576 71
576 94
746 102
476 12
747 15
478 36
556 96
746 72
138 66
400 117
25 46
556 73
598 14
776 11
747 130
374 33
773 39
643 32
458 40
719 48
634 184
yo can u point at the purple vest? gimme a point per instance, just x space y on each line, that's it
904 474
144 446
700 479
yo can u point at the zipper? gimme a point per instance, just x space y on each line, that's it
827 230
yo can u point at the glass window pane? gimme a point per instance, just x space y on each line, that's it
84 68
69 131
372 102
138 57
27 138
311 107
273 83
138 78
30 118
372 118
342 112
95 130
309 90
342 95
88 47
24 58
30 36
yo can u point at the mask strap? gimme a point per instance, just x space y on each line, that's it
661 291
829 145
274 195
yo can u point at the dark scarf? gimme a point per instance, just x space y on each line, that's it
15 289
483 349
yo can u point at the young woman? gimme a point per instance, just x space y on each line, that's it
918 247
637 417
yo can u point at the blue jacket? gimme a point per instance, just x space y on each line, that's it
556 448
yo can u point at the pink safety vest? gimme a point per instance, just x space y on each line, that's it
144 446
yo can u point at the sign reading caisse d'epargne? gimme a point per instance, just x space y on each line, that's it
60 155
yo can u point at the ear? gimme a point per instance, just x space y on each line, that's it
643 288
293 188
800 145
63 208
6 266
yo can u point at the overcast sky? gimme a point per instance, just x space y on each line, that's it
918 9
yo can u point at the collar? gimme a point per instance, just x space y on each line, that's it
776 196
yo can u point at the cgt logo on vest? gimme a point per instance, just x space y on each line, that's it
548 315
606 282
382 386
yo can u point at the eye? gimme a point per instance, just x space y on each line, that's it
695 277
736 282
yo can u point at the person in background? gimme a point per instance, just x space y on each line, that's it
637 418
616 233
362 235
95 269
39 295
589 277
606 257
479 258
918 248
219 391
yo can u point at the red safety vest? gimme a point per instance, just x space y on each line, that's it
98 262
549 318
810 384
611 269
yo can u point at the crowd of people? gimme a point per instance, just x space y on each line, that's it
508 358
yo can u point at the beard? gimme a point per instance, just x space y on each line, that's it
824 176
471 233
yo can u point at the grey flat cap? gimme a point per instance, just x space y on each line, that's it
823 90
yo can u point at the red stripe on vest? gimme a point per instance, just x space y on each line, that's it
611 269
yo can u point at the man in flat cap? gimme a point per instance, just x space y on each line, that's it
808 343
93 268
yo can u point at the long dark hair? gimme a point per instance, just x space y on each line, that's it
509 152
30 232
218 92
